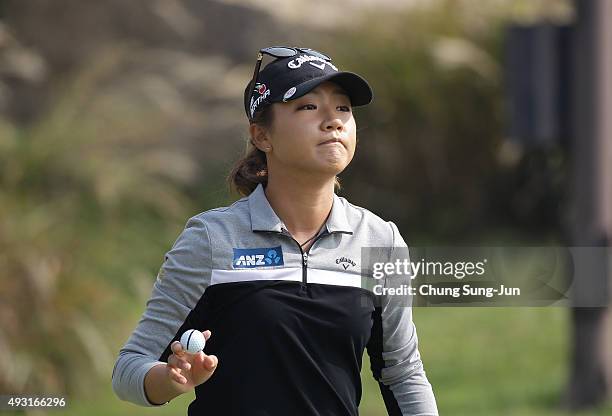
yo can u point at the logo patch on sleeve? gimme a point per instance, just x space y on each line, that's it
249 258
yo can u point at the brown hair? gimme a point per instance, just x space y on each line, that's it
252 169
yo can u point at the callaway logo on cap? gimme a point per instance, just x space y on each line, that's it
291 77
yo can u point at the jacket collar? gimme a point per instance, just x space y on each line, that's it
263 217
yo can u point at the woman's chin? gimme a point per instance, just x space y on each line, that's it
335 160
330 163
333 167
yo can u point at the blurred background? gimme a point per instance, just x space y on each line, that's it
120 120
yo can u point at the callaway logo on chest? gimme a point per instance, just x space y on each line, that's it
345 262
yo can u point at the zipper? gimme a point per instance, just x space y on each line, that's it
304 266
304 254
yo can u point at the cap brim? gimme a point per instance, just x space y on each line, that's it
356 87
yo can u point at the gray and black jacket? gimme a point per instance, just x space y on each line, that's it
289 327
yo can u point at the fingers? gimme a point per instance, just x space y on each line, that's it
177 349
180 363
176 376
177 363
209 362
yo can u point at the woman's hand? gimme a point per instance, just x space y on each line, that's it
190 370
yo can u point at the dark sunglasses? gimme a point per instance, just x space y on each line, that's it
276 52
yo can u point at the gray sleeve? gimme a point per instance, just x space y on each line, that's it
181 281
393 347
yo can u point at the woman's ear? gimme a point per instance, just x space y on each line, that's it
259 137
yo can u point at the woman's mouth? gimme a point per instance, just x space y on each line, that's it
332 141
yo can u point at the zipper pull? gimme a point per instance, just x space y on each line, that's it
305 259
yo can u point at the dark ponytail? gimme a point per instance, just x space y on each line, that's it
252 169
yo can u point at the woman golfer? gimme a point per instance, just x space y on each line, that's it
275 280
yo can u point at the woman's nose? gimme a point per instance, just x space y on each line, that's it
332 121
333 124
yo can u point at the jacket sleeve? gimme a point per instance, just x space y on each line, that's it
180 284
393 347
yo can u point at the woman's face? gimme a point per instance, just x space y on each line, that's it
314 134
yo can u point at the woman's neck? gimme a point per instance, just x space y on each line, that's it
302 205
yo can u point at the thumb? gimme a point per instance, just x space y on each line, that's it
205 363
203 367
210 362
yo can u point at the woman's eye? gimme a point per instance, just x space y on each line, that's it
344 108
309 106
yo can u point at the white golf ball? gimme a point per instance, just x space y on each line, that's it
193 341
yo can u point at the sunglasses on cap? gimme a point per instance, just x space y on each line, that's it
277 52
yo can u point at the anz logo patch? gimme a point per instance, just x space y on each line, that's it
249 258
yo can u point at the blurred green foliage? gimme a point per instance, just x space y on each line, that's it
86 208
432 153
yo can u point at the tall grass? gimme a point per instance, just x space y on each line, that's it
81 194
